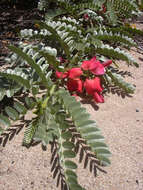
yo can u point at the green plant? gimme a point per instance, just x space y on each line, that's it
75 33
57 117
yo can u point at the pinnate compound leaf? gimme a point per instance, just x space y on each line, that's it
31 62
29 133
16 78
119 81
65 154
56 36
86 127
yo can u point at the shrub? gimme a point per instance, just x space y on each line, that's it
73 51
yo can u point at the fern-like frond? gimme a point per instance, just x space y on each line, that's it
11 114
93 5
29 133
31 62
118 80
19 77
56 36
124 8
115 38
132 31
47 128
116 53
66 153
86 127
8 87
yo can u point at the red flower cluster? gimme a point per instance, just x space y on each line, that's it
86 17
104 8
92 86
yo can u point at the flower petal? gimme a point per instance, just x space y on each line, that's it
74 85
99 70
93 59
89 64
85 65
61 75
75 73
93 85
94 66
107 63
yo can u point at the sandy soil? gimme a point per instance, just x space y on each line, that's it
121 122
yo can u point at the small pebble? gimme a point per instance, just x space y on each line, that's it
138 152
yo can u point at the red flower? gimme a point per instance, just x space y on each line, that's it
74 85
75 73
62 60
103 8
85 16
107 63
61 75
95 66
93 87
89 64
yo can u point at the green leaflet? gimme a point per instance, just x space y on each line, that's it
20 108
111 14
12 113
68 145
69 154
46 127
43 135
4 120
70 164
30 102
66 135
